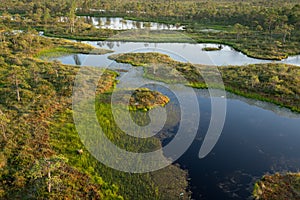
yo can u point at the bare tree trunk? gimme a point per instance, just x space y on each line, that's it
49 178
35 77
284 37
17 89
3 126
3 132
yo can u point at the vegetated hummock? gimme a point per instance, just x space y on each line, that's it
41 154
142 99
277 83
211 49
278 186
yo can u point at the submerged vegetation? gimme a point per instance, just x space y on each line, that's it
278 186
272 82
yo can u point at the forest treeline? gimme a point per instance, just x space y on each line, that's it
252 13
260 29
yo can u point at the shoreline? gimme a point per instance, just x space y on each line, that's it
198 41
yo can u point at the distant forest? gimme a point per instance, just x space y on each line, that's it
255 14
260 29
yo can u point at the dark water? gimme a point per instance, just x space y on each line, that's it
254 141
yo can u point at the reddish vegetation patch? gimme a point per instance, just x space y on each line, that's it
279 187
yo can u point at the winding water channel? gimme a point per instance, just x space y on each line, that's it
184 52
257 138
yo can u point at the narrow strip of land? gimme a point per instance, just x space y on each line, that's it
272 82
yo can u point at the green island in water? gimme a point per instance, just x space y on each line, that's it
141 99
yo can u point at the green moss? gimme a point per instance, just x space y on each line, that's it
58 48
54 52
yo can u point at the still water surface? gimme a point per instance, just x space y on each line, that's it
118 23
184 52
